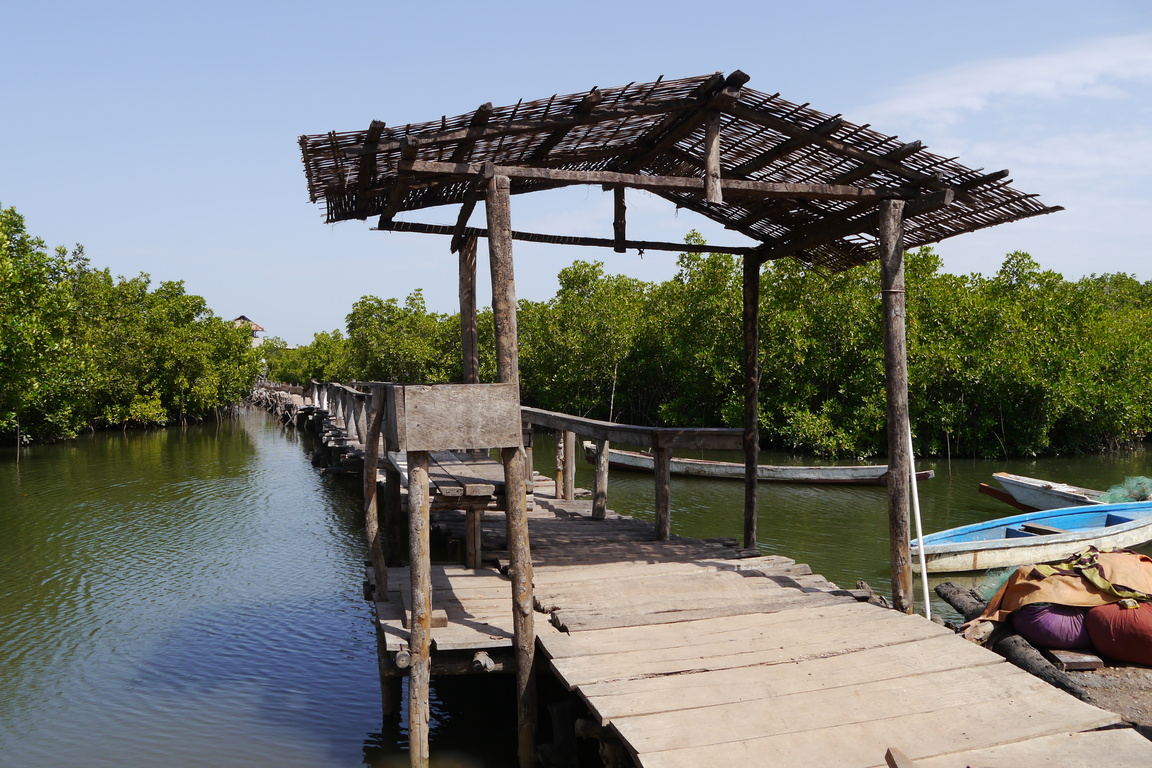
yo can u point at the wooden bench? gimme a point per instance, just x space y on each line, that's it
1042 530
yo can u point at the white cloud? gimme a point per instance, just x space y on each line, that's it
1097 68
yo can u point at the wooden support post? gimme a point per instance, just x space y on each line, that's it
570 441
508 372
662 466
600 494
468 332
896 383
420 623
713 192
619 220
371 486
473 543
751 372
560 463
393 514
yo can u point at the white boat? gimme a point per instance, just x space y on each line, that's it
1044 494
870 474
1035 537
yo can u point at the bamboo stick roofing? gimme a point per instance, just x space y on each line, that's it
663 136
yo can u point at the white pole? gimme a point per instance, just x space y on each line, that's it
919 527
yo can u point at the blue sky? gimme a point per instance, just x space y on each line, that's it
163 136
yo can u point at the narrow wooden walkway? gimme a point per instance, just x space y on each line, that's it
690 654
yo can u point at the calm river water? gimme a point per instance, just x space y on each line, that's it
191 597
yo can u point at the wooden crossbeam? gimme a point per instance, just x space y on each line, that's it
845 225
867 169
590 101
786 147
536 237
734 187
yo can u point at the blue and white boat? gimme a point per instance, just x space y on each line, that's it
1035 537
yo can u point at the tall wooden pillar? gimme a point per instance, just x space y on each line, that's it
508 371
371 488
891 226
420 625
751 372
468 333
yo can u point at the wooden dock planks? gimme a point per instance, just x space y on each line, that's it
691 655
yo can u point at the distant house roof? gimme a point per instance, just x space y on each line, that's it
799 182
245 320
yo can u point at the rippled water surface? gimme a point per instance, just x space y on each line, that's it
191 597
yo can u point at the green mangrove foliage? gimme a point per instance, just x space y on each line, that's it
1021 362
81 349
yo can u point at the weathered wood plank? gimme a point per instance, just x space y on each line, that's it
1117 748
923 715
449 416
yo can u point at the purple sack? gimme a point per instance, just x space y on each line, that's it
1063 627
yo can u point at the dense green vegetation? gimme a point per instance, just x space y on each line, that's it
80 349
1019 363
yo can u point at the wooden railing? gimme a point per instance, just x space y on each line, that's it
661 441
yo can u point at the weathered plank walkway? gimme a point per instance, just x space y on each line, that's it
690 655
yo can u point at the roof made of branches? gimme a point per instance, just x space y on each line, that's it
666 130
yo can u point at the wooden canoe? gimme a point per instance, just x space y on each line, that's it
1045 494
1035 537
874 474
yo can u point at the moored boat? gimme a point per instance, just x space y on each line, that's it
867 474
1044 494
1035 537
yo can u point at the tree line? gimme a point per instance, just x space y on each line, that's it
1022 362
80 349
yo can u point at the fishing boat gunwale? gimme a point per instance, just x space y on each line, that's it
835 474
1023 549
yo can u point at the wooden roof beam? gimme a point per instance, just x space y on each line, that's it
867 169
590 101
400 186
732 187
535 237
366 169
784 148
476 125
845 225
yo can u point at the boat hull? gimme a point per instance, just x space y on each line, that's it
1005 542
1042 494
837 475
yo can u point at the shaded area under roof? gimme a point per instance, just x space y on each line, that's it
664 130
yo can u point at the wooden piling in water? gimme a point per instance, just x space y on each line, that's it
420 637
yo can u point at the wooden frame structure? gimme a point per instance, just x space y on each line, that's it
800 183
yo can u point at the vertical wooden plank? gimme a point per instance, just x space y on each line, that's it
891 227
600 494
472 542
713 192
619 219
392 522
371 488
570 441
508 371
662 466
420 625
468 332
751 437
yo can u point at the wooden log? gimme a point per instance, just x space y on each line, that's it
524 629
392 522
751 371
896 387
570 441
372 487
713 192
619 219
600 492
503 280
469 338
662 469
420 631
1011 646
